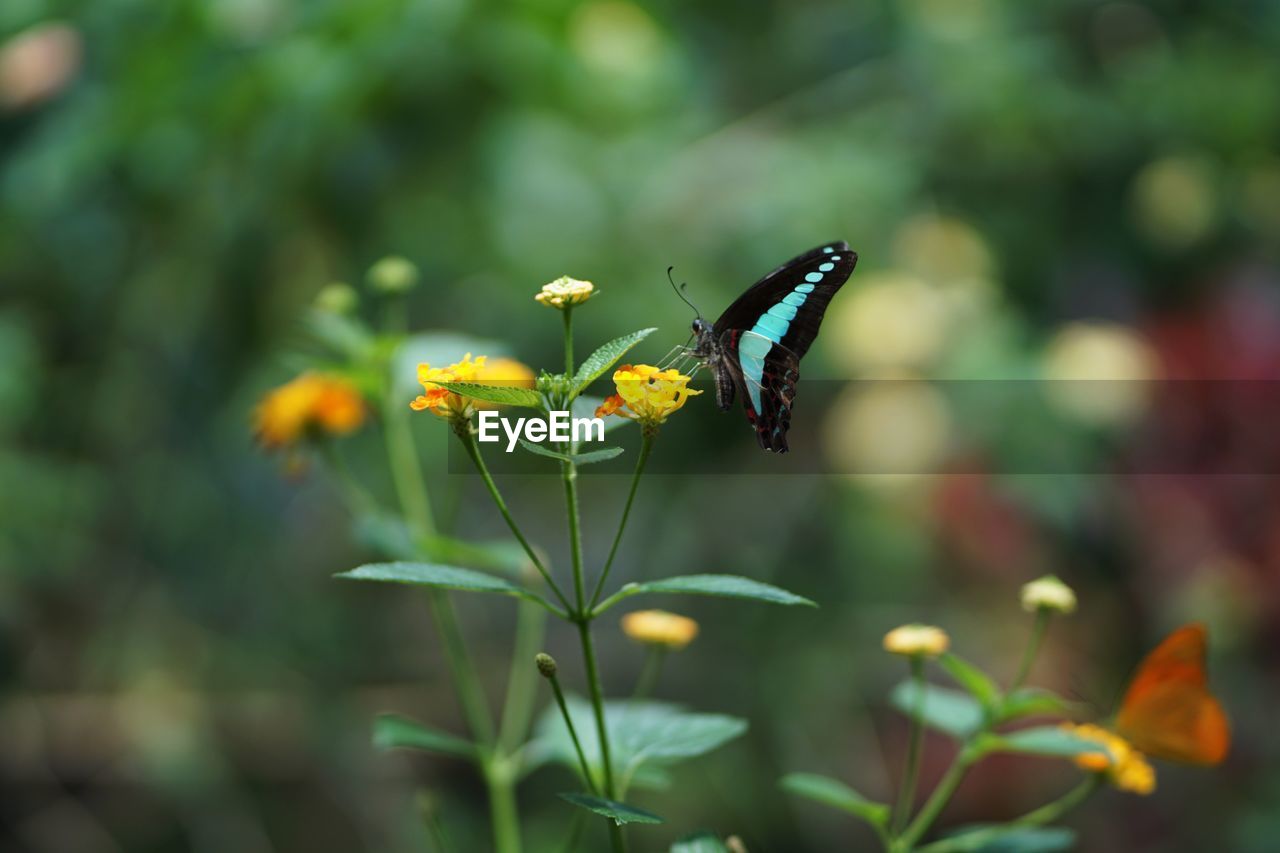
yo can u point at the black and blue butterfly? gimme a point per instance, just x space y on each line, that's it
756 346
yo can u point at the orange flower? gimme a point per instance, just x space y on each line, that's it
1167 712
447 404
312 403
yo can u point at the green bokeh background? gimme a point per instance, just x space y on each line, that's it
179 672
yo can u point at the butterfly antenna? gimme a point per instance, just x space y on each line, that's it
679 289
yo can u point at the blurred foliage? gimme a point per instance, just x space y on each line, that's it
179 180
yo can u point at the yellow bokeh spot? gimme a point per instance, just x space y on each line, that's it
1099 373
890 320
313 403
1175 201
660 628
899 427
942 249
615 37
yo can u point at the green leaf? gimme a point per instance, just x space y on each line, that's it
591 457
605 357
504 395
725 586
391 731
699 842
1052 741
602 455
968 676
1035 701
838 795
440 577
642 736
949 711
621 813
993 838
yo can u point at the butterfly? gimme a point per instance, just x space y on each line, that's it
756 346
1167 711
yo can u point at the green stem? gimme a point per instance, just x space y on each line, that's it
1038 629
1046 814
357 499
464 433
474 706
569 473
576 825
406 469
597 705
517 713
906 797
646 445
568 343
937 800
649 673
503 809
587 778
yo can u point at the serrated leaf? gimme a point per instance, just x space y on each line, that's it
391 731
699 842
440 577
836 794
605 357
621 813
602 455
642 736
978 683
988 838
503 395
1035 701
950 711
725 586
1050 741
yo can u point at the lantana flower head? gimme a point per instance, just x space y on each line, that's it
447 404
1125 767
647 394
565 292
311 404
917 641
660 628
1048 593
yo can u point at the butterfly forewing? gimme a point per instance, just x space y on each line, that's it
1168 711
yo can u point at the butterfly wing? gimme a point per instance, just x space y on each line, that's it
787 305
768 329
1168 711
766 374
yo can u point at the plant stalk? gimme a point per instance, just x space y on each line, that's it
906 796
646 445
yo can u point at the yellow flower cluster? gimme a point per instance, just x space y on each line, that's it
660 628
917 641
1048 593
647 394
447 404
565 292
313 403
1126 767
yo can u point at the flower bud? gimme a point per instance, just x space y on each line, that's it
565 292
337 298
546 664
1048 593
917 641
659 628
393 274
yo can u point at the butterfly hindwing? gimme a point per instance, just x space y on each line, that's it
766 374
1168 711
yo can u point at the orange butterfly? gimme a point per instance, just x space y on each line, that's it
1168 711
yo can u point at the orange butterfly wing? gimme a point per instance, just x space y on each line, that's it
1168 711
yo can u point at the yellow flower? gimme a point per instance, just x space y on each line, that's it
311 403
660 628
565 292
1048 593
1126 768
445 403
917 641
647 394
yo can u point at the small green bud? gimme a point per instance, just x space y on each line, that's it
337 298
393 274
546 664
